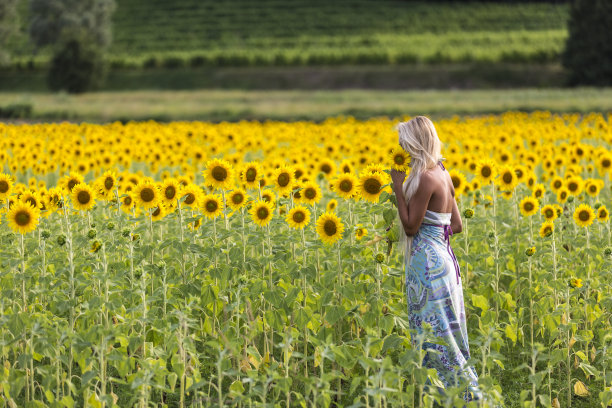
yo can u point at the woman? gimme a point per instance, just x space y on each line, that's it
429 215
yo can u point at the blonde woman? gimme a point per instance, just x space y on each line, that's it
429 215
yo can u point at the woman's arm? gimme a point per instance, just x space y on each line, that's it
456 223
412 213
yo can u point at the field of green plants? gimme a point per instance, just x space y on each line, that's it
271 32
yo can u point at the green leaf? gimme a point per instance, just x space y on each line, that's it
581 355
480 301
236 388
589 369
510 333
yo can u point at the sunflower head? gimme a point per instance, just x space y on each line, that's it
283 178
83 197
584 215
603 215
562 195
170 190
360 232
298 217
399 158
261 212
329 227
345 185
310 193
146 194
529 206
250 174
331 205
23 217
507 178
211 205
547 229
549 212
459 181
237 199
486 170
219 174
370 186
6 185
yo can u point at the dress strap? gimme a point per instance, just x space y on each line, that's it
441 165
448 231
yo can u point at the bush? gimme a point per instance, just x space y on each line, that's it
77 65
16 111
588 50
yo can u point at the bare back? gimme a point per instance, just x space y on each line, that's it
442 199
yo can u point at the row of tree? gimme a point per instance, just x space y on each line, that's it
79 33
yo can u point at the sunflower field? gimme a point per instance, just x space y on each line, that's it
256 264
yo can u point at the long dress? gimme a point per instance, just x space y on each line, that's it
435 296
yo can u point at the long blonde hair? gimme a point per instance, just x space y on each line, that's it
418 137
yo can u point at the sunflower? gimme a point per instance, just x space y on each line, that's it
547 229
170 189
192 194
22 217
584 215
329 227
486 170
593 187
327 167
603 215
251 174
507 178
310 193
459 181
298 217
219 174
237 199
331 205
269 197
370 186
399 158
549 212
360 232
345 185
574 185
562 195
159 212
283 178
32 197
261 212
211 205
6 185
72 180
537 191
528 206
83 197
556 183
107 183
146 195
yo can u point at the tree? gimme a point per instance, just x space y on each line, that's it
80 32
8 26
588 50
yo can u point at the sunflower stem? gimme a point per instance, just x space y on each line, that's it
23 277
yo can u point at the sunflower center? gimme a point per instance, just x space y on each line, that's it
108 183
147 195
593 189
72 183
219 173
583 215
189 199
548 213
299 216
603 214
486 171
547 231
528 206
170 192
563 195
326 168
346 186
22 218
262 213
606 163
572 186
237 198
156 212
211 206
372 186
83 197
251 174
557 183
507 177
329 227
127 200
456 181
32 201
283 179
310 193
3 186
519 173
399 159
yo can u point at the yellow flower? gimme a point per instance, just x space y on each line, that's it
146 195
298 217
127 202
329 227
603 215
556 183
528 206
22 217
310 193
360 232
159 212
192 194
237 199
331 205
507 178
170 189
211 205
538 190
261 212
584 215
575 283
562 195
370 186
251 174
547 229
71 180
399 158
486 170
283 178
83 197
107 184
593 187
6 185
459 181
549 212
219 174
574 185
345 185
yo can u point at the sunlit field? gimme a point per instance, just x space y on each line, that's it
256 264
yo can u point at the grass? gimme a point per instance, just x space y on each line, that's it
235 105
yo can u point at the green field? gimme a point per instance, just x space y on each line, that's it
235 105
241 33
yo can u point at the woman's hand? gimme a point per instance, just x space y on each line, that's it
397 177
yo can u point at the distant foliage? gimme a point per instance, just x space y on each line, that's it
588 51
48 18
8 26
77 65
